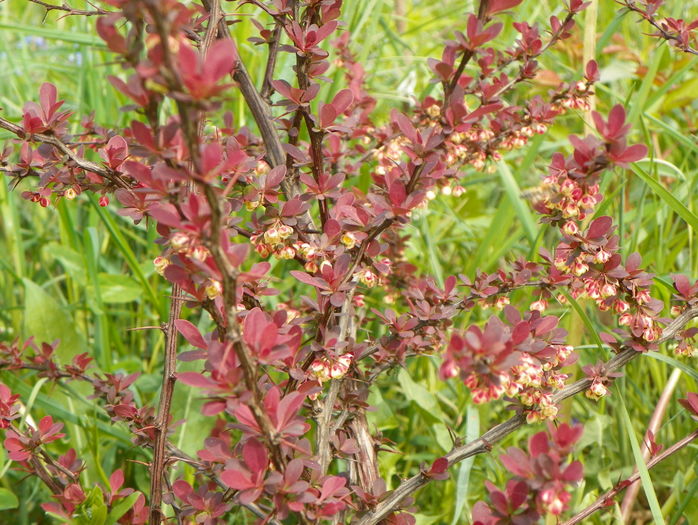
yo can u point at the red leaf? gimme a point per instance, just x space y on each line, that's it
195 379
182 489
255 456
404 124
220 60
327 115
439 466
309 279
599 227
116 480
190 333
236 480
630 154
496 6
331 485
342 100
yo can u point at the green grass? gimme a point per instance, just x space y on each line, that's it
84 275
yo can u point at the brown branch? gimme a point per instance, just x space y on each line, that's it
608 496
192 130
324 420
497 433
81 162
157 470
262 116
630 5
267 88
69 10
232 329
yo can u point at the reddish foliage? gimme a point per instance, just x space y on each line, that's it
224 200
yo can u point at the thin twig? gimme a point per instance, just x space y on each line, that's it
630 5
262 116
267 88
70 11
604 500
81 162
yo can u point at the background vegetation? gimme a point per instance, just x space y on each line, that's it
83 274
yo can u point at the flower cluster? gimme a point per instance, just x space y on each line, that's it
521 360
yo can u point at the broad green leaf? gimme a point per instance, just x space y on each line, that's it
47 320
117 288
686 92
121 508
443 437
8 500
93 511
420 395
126 251
70 259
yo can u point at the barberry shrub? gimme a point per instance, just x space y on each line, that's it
294 302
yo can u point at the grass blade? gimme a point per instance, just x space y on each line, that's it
641 466
671 201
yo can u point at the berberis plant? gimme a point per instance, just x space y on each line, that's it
286 243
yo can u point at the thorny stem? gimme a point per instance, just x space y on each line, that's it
606 498
169 377
262 116
69 10
484 443
631 6
232 330
325 417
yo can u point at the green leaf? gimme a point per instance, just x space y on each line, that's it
117 288
687 369
121 508
513 192
70 259
93 511
641 466
8 500
671 201
443 437
463 480
126 251
685 93
55 34
47 320
420 395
